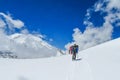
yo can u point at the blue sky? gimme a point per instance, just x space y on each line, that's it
54 18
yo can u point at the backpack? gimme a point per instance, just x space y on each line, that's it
76 48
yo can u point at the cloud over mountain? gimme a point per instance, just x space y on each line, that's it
22 44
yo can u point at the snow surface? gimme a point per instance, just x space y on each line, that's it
101 62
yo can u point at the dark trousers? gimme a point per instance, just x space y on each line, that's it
74 56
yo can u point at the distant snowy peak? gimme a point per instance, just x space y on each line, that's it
30 40
27 46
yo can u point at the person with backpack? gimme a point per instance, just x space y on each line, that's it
73 50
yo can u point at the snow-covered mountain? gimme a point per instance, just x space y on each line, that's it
27 46
17 42
101 62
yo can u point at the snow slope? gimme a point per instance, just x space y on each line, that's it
104 60
101 62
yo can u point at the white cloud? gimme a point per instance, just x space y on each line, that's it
91 36
107 5
98 6
24 31
2 23
88 23
17 23
38 34
11 22
94 35
113 4
118 24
